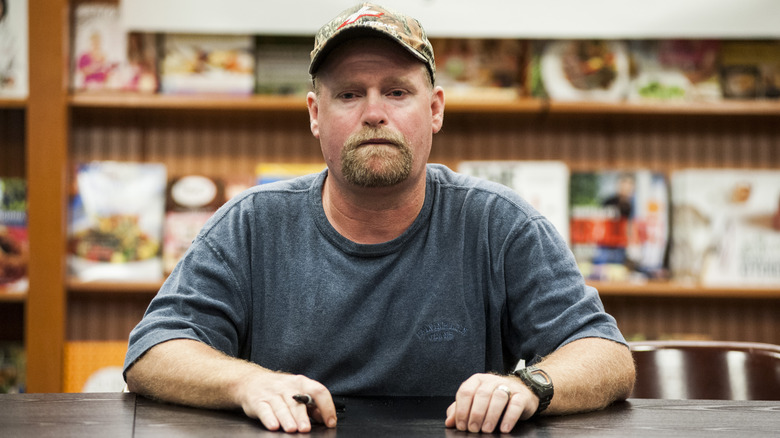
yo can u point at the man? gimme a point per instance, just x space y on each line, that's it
382 275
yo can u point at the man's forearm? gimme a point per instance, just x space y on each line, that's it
589 374
189 372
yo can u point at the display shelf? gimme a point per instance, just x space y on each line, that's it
455 104
13 297
650 289
678 289
9 102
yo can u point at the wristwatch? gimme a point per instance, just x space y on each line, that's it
539 383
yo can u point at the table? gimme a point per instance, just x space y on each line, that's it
127 415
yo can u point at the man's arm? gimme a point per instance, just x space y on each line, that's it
587 374
189 372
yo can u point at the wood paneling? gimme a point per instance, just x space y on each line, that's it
47 145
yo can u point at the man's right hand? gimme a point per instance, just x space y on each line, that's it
268 396
189 372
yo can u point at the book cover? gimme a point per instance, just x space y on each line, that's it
283 65
116 221
14 242
105 57
726 227
674 70
580 70
270 172
485 68
191 201
13 365
620 224
13 48
750 69
207 64
544 184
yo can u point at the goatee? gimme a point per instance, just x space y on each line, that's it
376 165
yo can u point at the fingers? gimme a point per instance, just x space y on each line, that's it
274 405
484 398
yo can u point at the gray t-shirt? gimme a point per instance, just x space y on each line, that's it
477 282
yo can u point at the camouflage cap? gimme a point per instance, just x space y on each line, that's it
371 19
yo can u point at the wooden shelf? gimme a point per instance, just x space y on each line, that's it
680 290
651 289
8 102
13 297
461 105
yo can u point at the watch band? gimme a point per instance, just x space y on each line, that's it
539 383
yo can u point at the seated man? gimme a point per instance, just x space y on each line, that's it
382 275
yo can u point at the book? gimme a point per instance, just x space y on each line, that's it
726 227
105 57
619 224
484 68
283 65
13 365
207 64
579 70
750 69
271 172
14 242
544 184
674 70
191 201
13 49
116 221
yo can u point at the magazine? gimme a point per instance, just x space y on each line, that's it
283 65
14 242
13 49
674 70
485 68
203 64
726 227
620 224
191 201
544 184
116 221
750 69
579 70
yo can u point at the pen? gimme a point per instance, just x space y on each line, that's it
308 401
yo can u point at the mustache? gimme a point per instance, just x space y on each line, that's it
372 134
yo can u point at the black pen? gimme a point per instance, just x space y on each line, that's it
308 401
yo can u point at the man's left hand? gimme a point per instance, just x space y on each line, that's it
483 398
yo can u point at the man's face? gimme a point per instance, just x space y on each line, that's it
375 113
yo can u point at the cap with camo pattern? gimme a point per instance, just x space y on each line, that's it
371 19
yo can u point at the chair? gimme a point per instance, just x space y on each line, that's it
706 370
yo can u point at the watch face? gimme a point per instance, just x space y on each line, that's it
540 377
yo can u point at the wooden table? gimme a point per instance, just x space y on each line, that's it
127 415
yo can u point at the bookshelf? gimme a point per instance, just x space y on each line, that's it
224 135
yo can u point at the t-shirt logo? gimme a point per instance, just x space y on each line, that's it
365 11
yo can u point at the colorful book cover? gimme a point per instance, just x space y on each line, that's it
726 227
14 242
750 69
283 65
674 70
13 48
271 172
580 70
544 184
208 64
191 201
485 68
116 221
620 224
